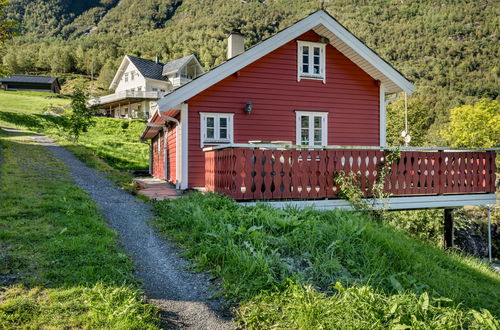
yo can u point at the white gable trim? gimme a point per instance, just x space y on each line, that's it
251 55
119 72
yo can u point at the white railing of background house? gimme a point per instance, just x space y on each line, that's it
123 95
178 81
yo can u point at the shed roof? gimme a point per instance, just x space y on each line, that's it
32 79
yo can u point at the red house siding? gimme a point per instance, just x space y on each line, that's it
171 145
158 156
350 96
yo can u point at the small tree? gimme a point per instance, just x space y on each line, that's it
474 126
82 117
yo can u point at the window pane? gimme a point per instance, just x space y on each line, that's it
304 136
305 59
316 51
317 122
211 122
304 122
223 122
223 133
316 60
210 133
317 136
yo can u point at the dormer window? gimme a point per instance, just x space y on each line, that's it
311 60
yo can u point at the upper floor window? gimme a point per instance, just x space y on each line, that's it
216 128
311 60
155 89
126 77
132 74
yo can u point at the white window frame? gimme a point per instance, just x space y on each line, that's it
216 140
126 77
322 59
324 126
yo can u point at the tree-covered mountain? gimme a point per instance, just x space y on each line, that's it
448 48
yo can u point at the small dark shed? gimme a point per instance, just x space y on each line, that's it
22 82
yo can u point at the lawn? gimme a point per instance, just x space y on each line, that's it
31 102
112 145
332 269
60 266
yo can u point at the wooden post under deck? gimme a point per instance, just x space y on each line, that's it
448 228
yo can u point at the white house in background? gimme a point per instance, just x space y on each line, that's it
139 83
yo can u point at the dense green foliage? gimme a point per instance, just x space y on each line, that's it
60 266
261 248
475 126
448 48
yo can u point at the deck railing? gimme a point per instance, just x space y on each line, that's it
272 174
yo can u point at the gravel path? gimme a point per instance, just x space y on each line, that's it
182 296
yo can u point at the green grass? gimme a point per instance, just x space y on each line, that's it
254 249
31 102
60 266
111 146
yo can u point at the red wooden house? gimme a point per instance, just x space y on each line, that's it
312 85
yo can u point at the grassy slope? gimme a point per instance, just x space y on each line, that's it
112 140
59 263
260 248
30 102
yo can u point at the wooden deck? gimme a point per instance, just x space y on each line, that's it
252 174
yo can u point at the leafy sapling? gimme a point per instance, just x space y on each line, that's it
82 116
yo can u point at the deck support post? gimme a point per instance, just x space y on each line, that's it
448 228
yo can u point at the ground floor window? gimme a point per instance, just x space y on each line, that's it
216 128
312 128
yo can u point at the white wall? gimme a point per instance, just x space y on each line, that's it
138 80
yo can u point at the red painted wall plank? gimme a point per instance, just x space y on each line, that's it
350 96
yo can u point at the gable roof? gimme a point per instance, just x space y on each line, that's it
176 65
323 24
32 79
148 68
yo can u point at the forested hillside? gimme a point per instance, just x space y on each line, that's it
448 48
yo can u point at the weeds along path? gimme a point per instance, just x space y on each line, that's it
182 296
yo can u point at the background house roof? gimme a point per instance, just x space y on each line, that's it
148 68
24 78
175 65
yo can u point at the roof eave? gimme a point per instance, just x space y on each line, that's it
265 47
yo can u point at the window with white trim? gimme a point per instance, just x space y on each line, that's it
311 60
216 128
312 128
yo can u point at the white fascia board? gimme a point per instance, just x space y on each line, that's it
372 58
392 203
238 62
251 55
119 72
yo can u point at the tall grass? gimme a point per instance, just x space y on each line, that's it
259 248
60 266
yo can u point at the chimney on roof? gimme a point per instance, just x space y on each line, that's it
157 59
235 44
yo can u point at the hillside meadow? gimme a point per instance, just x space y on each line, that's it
112 145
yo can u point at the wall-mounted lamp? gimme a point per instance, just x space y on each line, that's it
248 107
